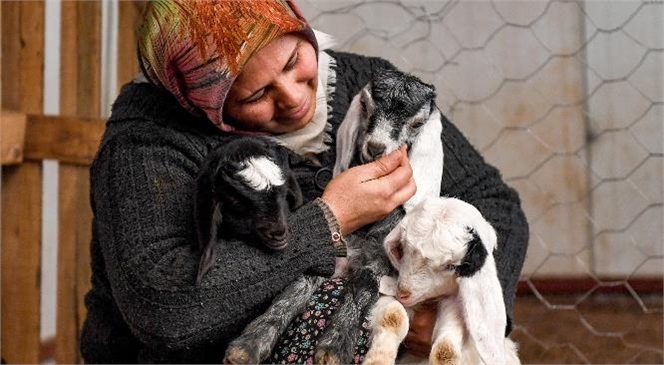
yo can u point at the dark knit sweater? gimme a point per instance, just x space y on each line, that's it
144 306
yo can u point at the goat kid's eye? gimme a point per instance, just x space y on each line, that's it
417 124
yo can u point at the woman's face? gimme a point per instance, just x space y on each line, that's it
276 90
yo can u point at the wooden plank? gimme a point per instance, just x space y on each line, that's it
128 20
22 90
80 96
70 140
21 263
12 138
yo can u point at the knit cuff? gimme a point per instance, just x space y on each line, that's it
338 240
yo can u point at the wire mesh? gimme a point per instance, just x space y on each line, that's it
566 99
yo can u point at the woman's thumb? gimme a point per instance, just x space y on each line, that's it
386 164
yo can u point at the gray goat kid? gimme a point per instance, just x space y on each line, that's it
244 190
393 109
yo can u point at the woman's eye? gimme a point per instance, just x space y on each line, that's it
292 62
255 97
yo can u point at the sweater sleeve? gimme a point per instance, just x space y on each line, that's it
141 184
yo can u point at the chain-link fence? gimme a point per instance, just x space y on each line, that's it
566 98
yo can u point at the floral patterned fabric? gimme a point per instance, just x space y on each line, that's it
297 344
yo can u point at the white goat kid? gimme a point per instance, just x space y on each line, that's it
443 250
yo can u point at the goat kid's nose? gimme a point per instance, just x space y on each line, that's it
375 149
277 234
402 293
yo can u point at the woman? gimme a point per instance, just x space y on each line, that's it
211 71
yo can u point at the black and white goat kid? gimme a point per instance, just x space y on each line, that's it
393 109
244 191
443 250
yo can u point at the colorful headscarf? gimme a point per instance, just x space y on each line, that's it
196 48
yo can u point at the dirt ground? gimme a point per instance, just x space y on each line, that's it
600 329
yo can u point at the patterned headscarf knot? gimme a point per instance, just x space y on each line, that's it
195 49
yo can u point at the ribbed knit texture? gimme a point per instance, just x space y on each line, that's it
144 306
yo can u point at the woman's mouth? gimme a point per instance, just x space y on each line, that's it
300 112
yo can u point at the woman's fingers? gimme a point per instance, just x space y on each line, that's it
367 193
384 165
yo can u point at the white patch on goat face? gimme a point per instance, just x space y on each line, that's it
434 237
381 135
426 274
261 173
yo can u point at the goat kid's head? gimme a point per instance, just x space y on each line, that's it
439 241
245 191
394 107
387 113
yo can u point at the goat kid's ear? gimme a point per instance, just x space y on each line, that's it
392 246
484 312
481 294
204 205
294 197
366 101
475 257
347 136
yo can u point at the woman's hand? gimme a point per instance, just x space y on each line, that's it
418 339
368 193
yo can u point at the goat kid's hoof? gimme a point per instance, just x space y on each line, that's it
238 355
443 353
377 360
325 357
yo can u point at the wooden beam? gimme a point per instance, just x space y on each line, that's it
12 137
70 140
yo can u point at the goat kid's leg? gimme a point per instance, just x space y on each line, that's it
389 326
258 339
337 343
448 333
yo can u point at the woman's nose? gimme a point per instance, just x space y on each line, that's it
289 95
